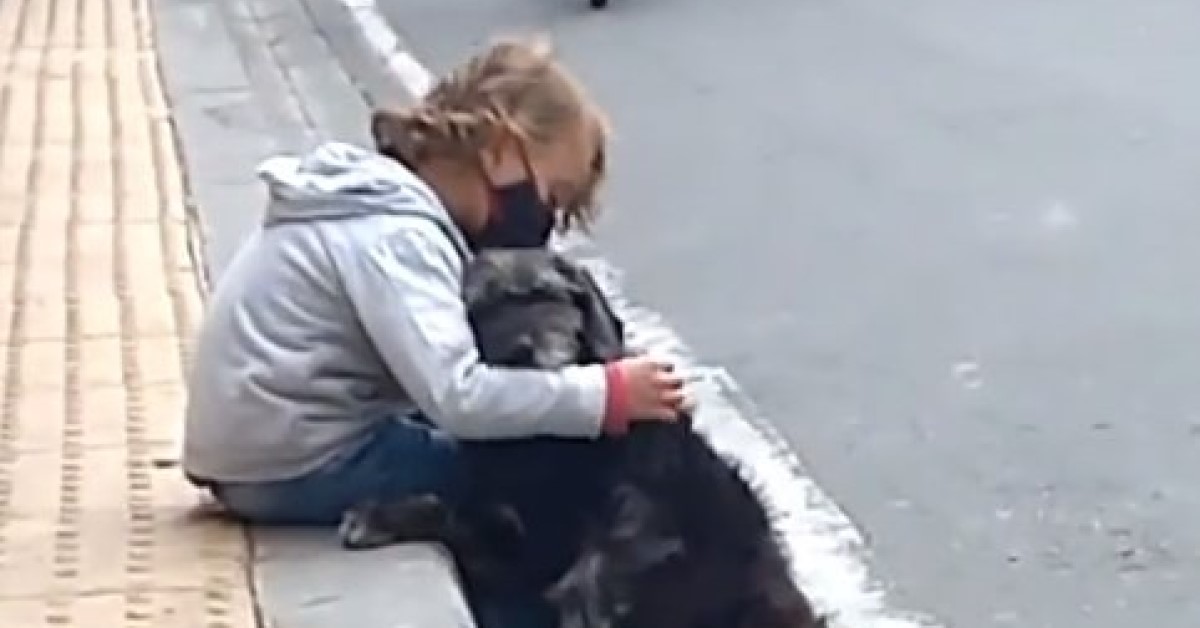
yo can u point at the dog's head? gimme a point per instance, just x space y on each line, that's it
533 308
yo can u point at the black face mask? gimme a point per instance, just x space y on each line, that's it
520 219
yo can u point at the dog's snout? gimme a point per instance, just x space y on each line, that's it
550 350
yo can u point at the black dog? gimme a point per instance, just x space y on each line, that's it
651 530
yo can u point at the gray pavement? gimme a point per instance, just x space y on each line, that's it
950 250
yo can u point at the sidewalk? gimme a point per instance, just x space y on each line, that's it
99 299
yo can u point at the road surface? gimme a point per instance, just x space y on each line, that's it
950 248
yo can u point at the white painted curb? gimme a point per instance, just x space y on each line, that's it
391 50
826 549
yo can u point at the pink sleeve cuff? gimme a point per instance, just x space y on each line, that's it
616 401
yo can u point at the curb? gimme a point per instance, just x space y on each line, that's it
390 49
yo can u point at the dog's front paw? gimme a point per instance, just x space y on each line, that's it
414 519
361 528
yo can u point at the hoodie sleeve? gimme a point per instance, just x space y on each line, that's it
407 292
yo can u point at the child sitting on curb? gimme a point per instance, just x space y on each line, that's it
335 363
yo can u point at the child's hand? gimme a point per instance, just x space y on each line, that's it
655 392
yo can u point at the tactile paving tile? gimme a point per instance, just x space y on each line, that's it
97 527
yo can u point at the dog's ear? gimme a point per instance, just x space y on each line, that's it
552 276
603 330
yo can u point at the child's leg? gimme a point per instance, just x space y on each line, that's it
401 459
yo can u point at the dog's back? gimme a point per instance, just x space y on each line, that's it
730 570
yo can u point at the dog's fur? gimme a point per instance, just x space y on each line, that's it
650 530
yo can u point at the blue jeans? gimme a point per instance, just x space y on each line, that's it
402 457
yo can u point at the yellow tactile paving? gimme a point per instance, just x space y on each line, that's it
97 300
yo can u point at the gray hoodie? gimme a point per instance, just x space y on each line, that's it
346 310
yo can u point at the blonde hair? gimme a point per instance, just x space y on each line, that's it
515 87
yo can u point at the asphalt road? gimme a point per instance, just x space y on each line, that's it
949 247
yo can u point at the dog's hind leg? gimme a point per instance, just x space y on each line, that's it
500 526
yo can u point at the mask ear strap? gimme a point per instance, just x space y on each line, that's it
506 131
520 139
492 200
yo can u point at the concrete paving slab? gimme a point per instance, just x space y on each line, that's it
306 580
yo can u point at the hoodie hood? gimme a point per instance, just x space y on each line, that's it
337 180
